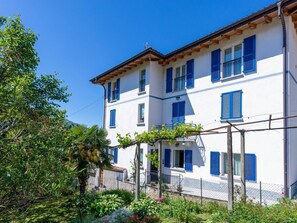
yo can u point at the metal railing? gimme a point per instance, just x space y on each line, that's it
232 67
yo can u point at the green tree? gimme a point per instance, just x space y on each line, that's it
88 151
33 152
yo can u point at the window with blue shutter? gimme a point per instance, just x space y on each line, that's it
249 54
118 89
115 155
250 167
188 160
190 73
169 80
112 122
167 158
178 112
215 65
108 92
215 163
231 105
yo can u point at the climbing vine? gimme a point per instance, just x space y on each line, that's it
155 135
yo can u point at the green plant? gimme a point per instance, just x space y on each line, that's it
106 204
182 209
146 219
127 196
145 207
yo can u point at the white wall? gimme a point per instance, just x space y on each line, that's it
292 92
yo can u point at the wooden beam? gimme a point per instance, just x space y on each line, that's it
286 11
180 56
215 41
238 31
196 49
267 19
204 45
225 36
252 25
294 16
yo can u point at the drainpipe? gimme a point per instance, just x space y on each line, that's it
104 106
285 102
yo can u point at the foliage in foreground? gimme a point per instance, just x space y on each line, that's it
285 211
145 207
127 196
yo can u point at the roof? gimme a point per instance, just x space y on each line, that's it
250 22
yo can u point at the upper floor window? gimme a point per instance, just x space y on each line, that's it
142 81
141 113
235 60
232 61
113 90
180 78
231 105
112 118
183 77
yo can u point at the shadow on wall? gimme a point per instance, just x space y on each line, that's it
201 158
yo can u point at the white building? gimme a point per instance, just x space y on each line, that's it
238 73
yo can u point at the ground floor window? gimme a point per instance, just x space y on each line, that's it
179 158
236 164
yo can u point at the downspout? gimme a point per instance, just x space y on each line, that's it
104 106
285 102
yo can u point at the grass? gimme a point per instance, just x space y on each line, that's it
44 211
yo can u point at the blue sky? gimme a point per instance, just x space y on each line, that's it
80 39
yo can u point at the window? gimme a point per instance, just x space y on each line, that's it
232 65
141 157
141 113
112 122
180 78
142 81
113 154
113 90
183 77
231 105
179 158
178 113
236 164
250 165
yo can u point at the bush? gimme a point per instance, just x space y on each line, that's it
284 211
106 204
126 196
145 207
121 215
213 207
183 210
146 219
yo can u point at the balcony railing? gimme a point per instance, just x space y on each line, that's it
232 67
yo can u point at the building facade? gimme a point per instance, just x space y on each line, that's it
243 73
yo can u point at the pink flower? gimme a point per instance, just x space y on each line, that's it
160 199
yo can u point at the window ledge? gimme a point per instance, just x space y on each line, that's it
225 177
182 170
232 120
112 127
140 124
113 101
223 79
141 92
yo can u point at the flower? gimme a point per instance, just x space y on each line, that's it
160 199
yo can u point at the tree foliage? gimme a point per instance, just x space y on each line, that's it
33 153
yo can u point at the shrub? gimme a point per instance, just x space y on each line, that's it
182 209
121 215
212 207
145 207
106 204
146 219
127 196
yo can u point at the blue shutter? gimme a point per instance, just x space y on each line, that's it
215 65
174 113
188 160
215 163
249 54
181 111
169 80
190 73
250 167
115 155
225 107
167 157
118 89
112 118
108 91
